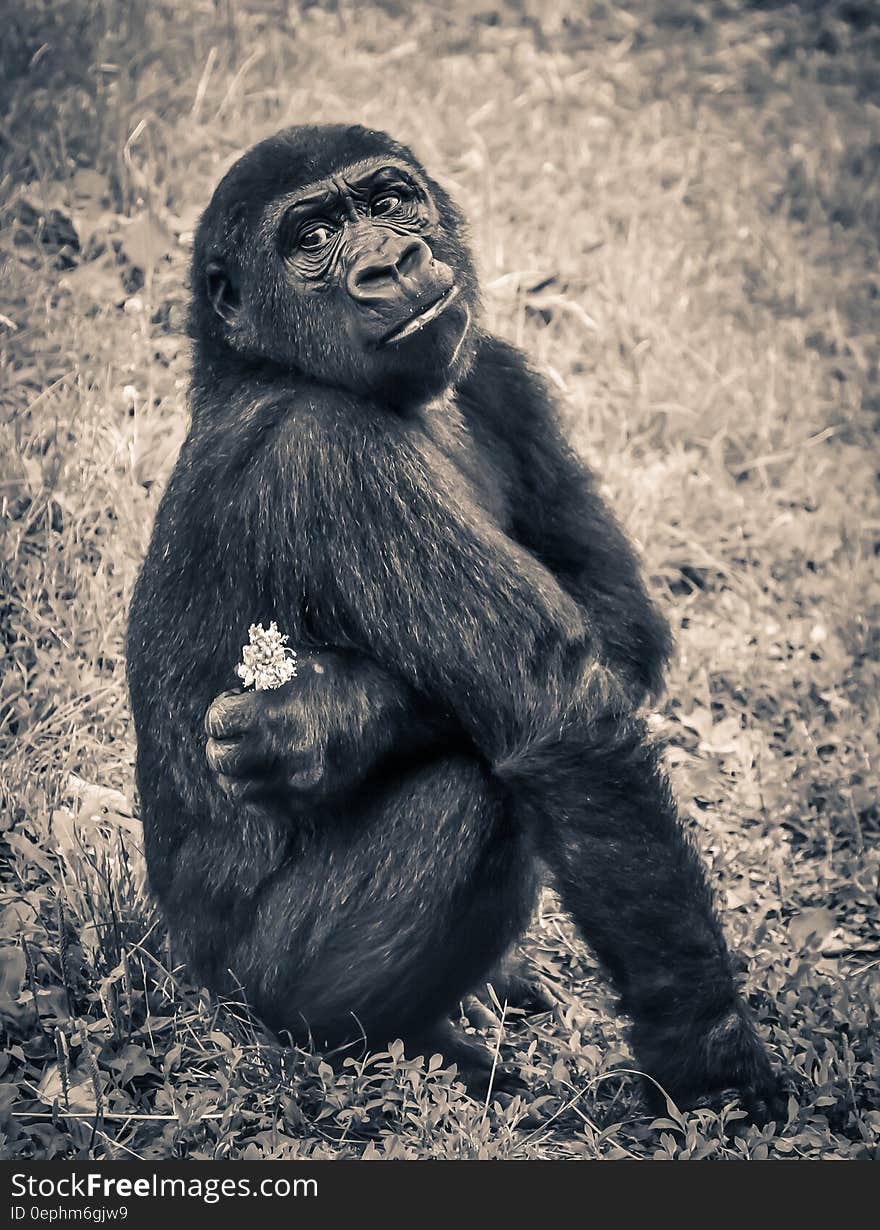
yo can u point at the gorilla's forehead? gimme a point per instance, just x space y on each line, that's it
301 161
299 156
351 179
324 148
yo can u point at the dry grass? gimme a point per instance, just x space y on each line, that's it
676 211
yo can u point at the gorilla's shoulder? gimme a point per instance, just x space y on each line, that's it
502 385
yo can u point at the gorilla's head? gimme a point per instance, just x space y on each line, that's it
329 251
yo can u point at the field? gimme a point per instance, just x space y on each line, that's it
676 211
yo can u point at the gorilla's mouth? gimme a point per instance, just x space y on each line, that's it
416 323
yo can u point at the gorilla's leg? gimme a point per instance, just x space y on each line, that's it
605 822
393 912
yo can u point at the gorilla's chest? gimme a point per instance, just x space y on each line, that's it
477 465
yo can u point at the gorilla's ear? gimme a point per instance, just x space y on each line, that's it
222 291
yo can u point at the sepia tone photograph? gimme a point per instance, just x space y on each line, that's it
439 586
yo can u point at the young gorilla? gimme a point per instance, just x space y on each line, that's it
371 470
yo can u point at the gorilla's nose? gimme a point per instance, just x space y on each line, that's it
395 269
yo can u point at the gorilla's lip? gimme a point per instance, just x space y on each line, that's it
415 323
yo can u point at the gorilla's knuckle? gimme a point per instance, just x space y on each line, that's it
224 715
219 755
234 788
308 773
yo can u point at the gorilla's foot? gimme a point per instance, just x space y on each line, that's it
709 1065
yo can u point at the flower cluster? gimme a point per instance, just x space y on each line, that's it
266 661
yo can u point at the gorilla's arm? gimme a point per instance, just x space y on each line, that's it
322 733
391 559
326 736
570 528
560 516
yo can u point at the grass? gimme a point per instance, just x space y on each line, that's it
675 209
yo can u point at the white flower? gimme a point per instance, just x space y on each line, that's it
266 661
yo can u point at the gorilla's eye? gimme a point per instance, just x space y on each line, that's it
313 237
385 203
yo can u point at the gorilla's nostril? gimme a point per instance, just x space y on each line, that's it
371 273
412 258
378 273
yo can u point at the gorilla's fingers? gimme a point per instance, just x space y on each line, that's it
308 771
232 757
229 714
240 789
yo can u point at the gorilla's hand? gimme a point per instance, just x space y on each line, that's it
321 733
266 743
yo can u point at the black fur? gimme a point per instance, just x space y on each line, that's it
359 848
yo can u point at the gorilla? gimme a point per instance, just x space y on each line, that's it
368 467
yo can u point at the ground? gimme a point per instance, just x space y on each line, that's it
676 210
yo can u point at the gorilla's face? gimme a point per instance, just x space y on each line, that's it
358 278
